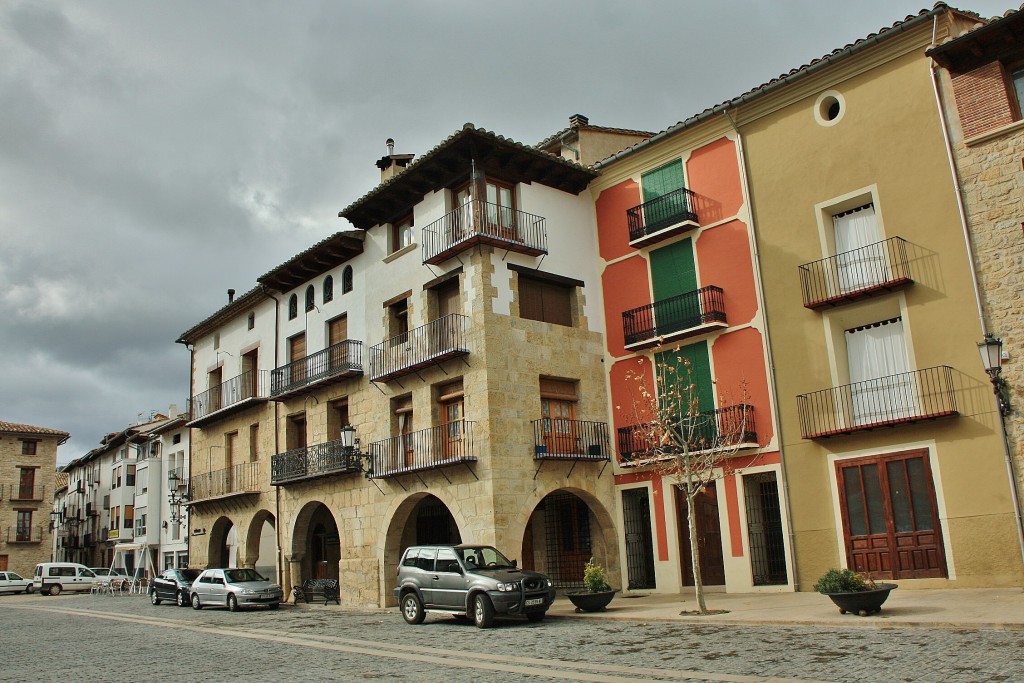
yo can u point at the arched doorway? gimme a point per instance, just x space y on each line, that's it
317 542
563 532
260 549
420 519
223 548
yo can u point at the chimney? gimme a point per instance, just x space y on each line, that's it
231 295
577 120
392 164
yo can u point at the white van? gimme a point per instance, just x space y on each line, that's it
53 577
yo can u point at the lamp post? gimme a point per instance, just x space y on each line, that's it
991 350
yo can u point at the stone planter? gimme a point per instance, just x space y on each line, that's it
862 602
591 602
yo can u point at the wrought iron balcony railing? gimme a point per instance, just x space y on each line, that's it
432 343
556 438
662 217
18 493
231 481
728 427
313 461
432 448
344 359
480 222
907 397
224 399
856 274
24 534
678 316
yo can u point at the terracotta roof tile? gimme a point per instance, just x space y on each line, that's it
15 428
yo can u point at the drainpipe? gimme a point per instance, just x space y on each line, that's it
744 181
277 489
958 192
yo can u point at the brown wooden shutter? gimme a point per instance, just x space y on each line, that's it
297 347
337 330
558 389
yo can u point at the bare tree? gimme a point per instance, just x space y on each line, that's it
677 439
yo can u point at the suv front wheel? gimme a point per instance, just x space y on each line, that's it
483 611
412 609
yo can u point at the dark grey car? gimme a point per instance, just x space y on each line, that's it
469 580
173 585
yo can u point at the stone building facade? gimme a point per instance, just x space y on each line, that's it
980 75
28 467
457 333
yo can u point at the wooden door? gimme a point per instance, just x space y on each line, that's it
890 518
27 483
337 332
296 356
709 535
250 374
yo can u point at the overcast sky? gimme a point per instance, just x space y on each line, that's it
153 155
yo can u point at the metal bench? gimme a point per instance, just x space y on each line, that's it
317 588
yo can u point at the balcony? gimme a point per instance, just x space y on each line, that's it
670 214
428 449
238 393
430 344
24 534
677 317
312 462
91 511
238 480
25 494
319 369
731 427
858 274
884 402
557 438
479 222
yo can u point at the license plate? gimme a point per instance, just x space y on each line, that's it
534 601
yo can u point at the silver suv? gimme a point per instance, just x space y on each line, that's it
468 580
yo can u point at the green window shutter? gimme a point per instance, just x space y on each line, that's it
662 180
699 373
673 271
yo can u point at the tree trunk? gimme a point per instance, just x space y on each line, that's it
698 581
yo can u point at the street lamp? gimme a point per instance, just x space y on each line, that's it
351 449
991 351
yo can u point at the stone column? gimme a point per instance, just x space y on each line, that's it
292 572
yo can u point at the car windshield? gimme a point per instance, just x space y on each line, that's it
484 557
242 575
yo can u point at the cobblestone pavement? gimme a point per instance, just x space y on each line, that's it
100 638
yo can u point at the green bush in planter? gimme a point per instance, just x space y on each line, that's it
593 577
843 581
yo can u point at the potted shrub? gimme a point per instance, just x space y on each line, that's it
853 592
597 593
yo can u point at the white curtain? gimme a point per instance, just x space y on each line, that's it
881 389
860 259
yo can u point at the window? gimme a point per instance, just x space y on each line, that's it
402 234
545 300
1017 76
346 280
337 417
880 387
23 532
254 442
446 298
295 431
402 427
129 516
452 409
558 409
176 438
129 476
296 356
328 293
858 267
28 447
115 518
666 181
251 320
398 321
115 482
310 299
27 483
293 307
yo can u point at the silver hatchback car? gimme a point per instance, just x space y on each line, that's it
234 588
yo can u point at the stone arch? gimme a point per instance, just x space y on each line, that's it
315 550
402 530
259 547
560 529
222 544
